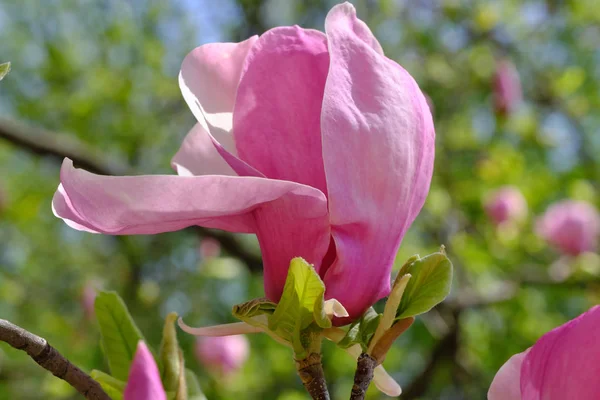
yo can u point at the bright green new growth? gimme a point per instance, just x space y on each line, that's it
4 69
120 335
361 331
429 285
171 360
112 386
301 305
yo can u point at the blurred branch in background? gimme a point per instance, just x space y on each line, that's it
58 146
50 359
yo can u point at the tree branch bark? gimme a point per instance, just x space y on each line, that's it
311 373
50 359
363 376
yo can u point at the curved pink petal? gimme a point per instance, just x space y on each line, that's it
563 364
144 379
276 122
378 150
506 384
209 80
162 203
199 156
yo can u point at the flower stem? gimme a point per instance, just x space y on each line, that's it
311 373
363 376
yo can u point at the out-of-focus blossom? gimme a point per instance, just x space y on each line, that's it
316 142
209 248
507 87
563 364
222 355
506 204
573 227
144 381
88 297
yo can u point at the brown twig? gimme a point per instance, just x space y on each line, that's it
311 373
50 359
363 376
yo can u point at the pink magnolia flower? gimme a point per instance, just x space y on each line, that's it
506 204
563 364
144 381
572 226
507 87
223 355
316 142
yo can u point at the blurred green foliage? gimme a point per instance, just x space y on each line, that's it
105 72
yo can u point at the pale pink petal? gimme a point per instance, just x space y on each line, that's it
209 79
199 156
506 384
277 111
378 149
162 203
144 379
563 364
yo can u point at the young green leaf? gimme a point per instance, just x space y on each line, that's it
4 69
253 308
430 284
362 330
168 355
193 387
301 304
120 335
113 387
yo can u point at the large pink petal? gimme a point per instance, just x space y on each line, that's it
144 381
209 80
563 364
506 384
199 156
162 203
276 122
378 150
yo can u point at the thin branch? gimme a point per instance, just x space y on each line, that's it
58 146
50 359
311 373
365 366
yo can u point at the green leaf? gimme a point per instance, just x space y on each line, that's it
301 304
430 284
120 335
193 387
113 387
4 69
253 308
361 331
171 367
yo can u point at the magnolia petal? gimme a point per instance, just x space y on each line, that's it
385 383
278 107
236 328
161 203
507 382
563 364
373 112
334 308
144 381
199 156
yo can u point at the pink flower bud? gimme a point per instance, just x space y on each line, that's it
88 297
506 204
209 248
222 355
507 87
571 226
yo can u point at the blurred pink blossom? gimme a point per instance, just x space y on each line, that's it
88 297
571 226
506 204
316 142
223 355
507 87
209 248
144 381
563 364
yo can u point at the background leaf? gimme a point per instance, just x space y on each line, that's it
4 69
112 386
120 335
